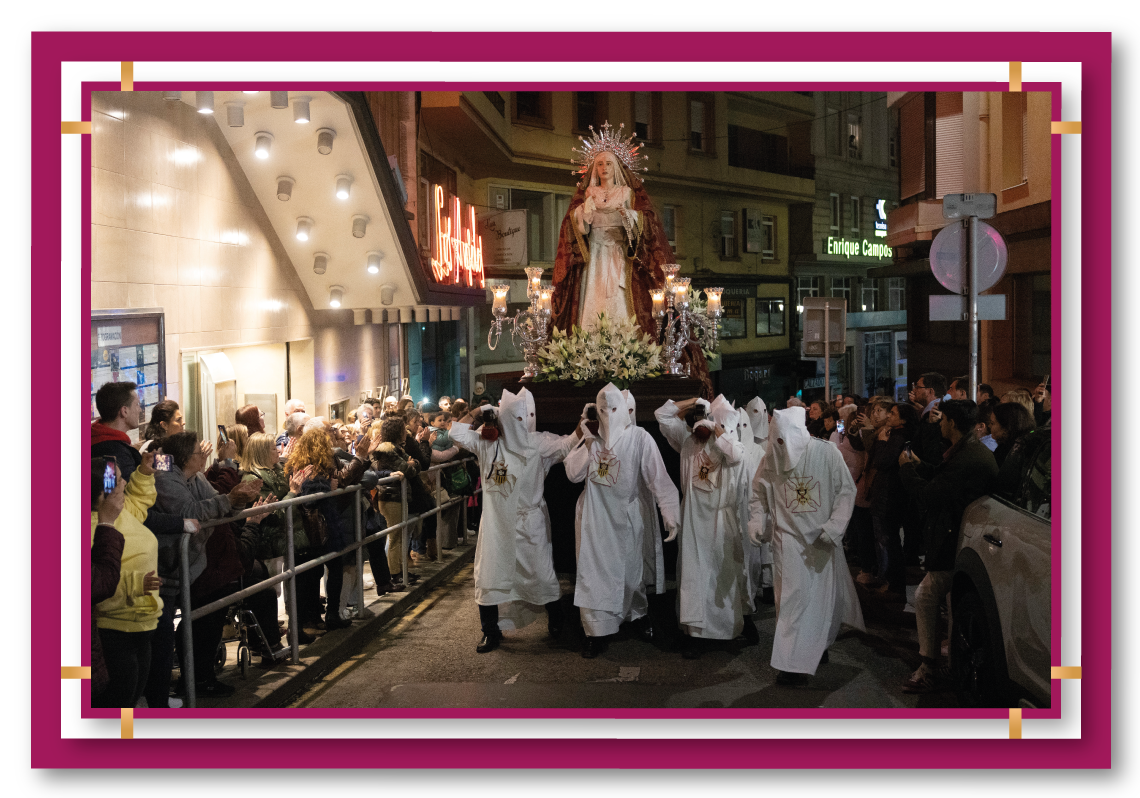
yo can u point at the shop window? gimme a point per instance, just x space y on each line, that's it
544 214
702 125
805 287
531 108
878 364
770 316
896 293
647 116
590 108
841 287
835 218
870 296
855 215
669 222
728 234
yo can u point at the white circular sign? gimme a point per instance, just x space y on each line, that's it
948 257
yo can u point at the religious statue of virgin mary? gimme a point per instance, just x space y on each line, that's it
612 245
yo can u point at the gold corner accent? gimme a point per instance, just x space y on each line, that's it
128 76
75 127
75 672
1014 723
127 724
1015 76
1065 672
1066 127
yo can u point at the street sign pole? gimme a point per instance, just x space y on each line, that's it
972 302
826 353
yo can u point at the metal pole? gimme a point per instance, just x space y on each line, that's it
463 514
438 517
972 301
359 554
291 584
187 627
826 351
404 529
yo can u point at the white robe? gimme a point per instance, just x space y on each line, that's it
610 583
605 287
755 557
513 558
653 551
805 510
710 564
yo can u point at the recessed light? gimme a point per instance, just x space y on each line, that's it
304 228
325 137
343 184
285 188
301 110
336 294
262 143
204 101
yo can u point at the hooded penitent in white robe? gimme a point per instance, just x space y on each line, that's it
711 600
753 431
653 552
514 566
802 499
614 465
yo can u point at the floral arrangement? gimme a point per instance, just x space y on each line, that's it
616 351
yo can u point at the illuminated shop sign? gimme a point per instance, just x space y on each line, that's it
458 254
864 248
881 218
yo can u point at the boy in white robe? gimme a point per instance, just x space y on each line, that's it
758 558
711 600
802 498
514 567
614 464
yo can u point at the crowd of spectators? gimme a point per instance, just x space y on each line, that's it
147 494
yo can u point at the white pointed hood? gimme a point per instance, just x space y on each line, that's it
631 406
530 418
723 414
512 420
758 418
753 449
788 438
613 415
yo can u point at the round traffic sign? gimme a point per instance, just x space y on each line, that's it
948 257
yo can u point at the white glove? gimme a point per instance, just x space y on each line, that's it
673 534
756 534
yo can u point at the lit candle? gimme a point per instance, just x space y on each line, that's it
670 270
499 308
544 297
658 296
534 281
712 309
681 292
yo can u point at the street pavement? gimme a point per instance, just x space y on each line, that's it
427 659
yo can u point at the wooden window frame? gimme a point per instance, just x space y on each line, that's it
601 113
708 99
656 138
545 106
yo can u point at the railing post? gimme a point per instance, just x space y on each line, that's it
187 627
291 584
438 515
356 497
463 515
404 529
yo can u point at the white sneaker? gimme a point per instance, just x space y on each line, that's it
174 703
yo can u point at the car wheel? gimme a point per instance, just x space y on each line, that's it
977 660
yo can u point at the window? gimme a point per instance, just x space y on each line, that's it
768 251
1013 136
870 298
835 214
590 108
892 143
496 100
669 222
769 317
728 234
1036 492
702 126
647 116
855 215
878 364
805 287
532 108
896 289
854 136
841 286
912 147
949 165
831 130
544 216
752 149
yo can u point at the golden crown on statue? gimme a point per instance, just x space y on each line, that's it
609 140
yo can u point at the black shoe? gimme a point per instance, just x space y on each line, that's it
690 649
593 647
303 637
554 628
792 679
768 596
336 622
751 633
413 578
488 643
213 689
824 659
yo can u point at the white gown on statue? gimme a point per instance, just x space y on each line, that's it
605 284
802 498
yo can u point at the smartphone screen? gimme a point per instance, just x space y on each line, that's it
222 433
162 462
109 478
839 425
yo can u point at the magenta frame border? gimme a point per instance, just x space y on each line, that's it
1092 50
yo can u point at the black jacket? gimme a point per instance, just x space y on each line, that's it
943 493
389 457
928 443
129 459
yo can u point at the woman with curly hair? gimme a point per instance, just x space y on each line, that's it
391 455
313 468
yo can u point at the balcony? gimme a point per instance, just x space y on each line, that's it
876 318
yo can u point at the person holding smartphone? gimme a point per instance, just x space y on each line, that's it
127 619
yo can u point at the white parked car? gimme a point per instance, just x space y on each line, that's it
1001 599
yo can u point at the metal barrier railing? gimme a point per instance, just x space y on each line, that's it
292 569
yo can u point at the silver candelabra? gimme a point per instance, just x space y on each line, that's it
677 326
532 325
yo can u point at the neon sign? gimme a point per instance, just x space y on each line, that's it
457 248
881 218
846 248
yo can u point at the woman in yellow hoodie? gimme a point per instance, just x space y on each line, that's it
127 620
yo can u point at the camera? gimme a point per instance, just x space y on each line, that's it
695 415
489 425
592 423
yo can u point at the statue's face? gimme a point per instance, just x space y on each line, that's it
605 168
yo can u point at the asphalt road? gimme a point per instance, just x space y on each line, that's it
428 659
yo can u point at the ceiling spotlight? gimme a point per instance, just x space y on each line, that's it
304 227
204 102
374 259
263 142
251 92
235 114
320 262
172 95
343 183
301 110
325 138
285 188
278 99
359 225
336 294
